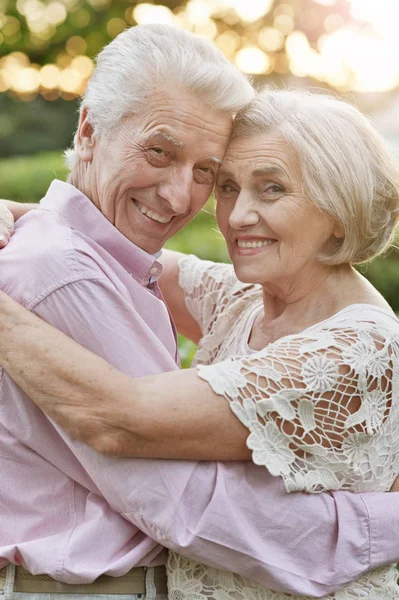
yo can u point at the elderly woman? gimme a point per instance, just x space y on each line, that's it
298 354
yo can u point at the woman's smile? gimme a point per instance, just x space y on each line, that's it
249 245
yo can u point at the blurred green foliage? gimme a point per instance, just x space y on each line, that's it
26 179
31 127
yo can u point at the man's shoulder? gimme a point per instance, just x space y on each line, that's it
45 254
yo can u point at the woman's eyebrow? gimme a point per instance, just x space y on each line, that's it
259 172
225 173
269 170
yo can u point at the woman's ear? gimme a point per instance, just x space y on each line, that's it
338 231
85 137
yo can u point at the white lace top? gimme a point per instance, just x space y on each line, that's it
321 408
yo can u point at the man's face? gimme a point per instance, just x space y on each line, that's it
158 169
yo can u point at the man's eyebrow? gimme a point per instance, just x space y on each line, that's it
169 138
166 136
215 159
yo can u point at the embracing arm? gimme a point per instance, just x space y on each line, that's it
231 515
17 209
11 211
175 297
108 410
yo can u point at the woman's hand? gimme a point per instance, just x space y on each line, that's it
6 223
9 213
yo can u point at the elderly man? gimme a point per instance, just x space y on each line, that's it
153 128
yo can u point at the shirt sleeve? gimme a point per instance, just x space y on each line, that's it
233 516
207 287
246 523
319 407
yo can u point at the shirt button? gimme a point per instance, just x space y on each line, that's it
154 270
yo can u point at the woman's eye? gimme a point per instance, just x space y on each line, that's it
274 189
227 188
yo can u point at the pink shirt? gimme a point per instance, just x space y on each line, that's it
69 512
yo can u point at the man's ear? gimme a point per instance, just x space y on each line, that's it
85 137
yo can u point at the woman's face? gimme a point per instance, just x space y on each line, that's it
273 231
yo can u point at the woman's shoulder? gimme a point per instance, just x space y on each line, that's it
347 330
360 317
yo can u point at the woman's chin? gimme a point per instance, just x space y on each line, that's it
247 275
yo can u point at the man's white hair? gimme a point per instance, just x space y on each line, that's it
136 62
347 169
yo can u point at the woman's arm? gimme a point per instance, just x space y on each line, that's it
173 415
18 209
11 211
281 395
175 297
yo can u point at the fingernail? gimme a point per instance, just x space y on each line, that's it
3 240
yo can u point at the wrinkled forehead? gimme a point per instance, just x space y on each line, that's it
264 150
187 122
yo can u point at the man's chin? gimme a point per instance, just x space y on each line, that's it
150 246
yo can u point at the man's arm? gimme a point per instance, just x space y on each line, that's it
234 515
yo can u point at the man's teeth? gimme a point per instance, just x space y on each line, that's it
152 214
257 244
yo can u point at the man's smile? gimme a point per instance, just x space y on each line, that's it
151 214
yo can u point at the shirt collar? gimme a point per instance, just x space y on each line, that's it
83 216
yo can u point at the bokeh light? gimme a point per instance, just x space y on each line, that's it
253 60
348 45
149 13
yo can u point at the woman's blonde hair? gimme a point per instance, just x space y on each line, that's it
348 171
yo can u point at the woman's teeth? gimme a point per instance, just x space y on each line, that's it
257 244
152 214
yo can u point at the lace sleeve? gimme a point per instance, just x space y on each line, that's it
319 407
206 286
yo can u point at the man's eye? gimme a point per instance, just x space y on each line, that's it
157 156
205 175
158 151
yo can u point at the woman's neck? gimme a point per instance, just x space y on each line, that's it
298 306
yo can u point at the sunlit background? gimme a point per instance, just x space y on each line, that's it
350 45
47 49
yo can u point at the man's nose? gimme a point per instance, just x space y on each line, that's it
176 189
244 212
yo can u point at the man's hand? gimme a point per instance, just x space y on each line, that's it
395 487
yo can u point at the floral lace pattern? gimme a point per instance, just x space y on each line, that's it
188 580
319 407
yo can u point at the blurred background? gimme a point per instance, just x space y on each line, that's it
349 47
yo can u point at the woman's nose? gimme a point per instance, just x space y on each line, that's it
244 212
